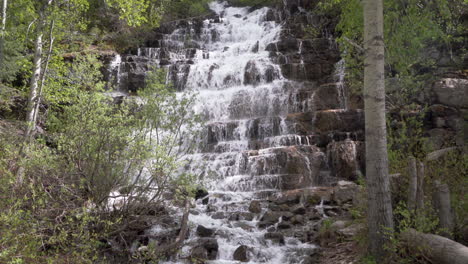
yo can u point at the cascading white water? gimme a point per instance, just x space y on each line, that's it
340 69
251 148
242 97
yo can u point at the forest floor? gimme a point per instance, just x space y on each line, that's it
336 252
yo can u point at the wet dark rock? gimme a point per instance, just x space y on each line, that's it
270 217
204 232
247 216
194 212
256 47
346 158
299 210
275 237
271 74
287 215
252 75
284 225
218 215
234 217
297 220
199 253
339 120
242 254
211 246
255 207
244 226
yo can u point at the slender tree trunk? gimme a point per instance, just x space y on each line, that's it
420 192
413 183
4 13
44 73
443 208
36 73
380 216
2 32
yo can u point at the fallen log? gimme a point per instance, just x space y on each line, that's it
438 249
435 155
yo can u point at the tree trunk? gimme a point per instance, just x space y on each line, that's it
44 74
443 207
380 221
34 82
436 248
413 183
4 13
3 31
420 192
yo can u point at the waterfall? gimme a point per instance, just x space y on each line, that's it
340 69
257 142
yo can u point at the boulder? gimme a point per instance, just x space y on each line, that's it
199 253
211 246
351 231
252 75
200 193
255 207
299 210
275 237
204 232
347 120
452 92
345 191
345 159
242 254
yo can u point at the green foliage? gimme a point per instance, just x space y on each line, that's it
68 80
180 9
411 29
255 2
44 220
138 12
95 149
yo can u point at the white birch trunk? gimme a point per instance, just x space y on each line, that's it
380 216
4 14
3 31
44 74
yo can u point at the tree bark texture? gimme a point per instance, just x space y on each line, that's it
413 183
380 221
420 192
438 249
3 31
443 207
34 82
44 74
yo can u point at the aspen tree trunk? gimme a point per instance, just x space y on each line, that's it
4 12
36 73
380 216
2 31
44 74
420 192
413 183
441 198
